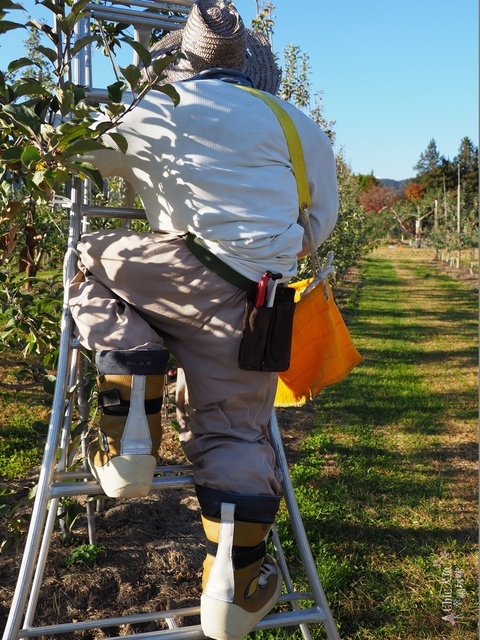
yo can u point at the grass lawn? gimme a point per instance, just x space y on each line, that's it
387 480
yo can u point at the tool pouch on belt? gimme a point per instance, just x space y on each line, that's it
267 333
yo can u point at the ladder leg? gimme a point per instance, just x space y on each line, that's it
84 410
287 579
54 503
299 531
40 507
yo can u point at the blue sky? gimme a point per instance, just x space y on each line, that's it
394 75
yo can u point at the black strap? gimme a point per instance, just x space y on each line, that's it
241 556
216 265
112 405
247 508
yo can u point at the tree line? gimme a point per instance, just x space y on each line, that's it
439 205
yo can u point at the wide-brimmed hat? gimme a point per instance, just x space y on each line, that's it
215 36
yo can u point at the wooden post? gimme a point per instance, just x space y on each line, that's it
459 226
435 225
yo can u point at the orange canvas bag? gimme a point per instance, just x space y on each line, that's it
322 352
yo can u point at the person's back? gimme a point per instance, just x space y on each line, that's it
218 166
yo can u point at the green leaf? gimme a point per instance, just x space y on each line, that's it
53 6
143 53
51 54
7 25
114 109
8 5
30 155
48 384
90 172
159 65
67 24
120 141
132 74
46 29
13 153
115 91
101 128
171 92
81 43
23 116
78 6
38 178
29 87
7 93
80 147
65 99
22 62
79 93
67 138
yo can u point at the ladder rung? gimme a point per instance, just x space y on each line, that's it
162 470
112 212
62 489
165 5
138 18
274 620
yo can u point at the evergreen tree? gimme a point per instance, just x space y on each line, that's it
367 181
429 160
467 157
434 171
467 162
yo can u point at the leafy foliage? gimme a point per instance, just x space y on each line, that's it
31 319
86 554
378 198
264 21
14 517
47 121
349 240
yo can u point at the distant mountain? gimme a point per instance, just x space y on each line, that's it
398 185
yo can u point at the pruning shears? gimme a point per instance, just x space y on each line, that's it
265 294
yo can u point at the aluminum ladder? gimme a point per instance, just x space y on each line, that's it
56 481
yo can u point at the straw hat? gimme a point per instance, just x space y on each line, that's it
215 36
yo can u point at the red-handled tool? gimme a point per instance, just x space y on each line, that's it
262 289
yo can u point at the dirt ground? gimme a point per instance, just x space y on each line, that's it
152 549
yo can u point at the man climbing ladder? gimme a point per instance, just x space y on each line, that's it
216 181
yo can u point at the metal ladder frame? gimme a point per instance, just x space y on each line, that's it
55 481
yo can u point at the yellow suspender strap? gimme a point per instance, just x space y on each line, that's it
294 146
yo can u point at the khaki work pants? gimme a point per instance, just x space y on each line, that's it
145 291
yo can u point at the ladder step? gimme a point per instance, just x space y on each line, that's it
172 478
145 17
274 620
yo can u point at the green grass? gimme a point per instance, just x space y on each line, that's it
22 425
378 481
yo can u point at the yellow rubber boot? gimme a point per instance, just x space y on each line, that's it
124 455
241 583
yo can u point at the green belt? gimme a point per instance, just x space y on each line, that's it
216 265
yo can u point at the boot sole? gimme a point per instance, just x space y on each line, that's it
126 476
228 621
